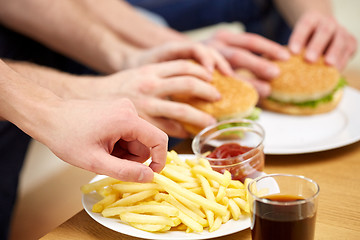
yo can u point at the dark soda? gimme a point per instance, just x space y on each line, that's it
283 222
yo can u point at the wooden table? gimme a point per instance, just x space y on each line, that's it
336 171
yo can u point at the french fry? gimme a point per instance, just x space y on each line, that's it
244 205
210 174
151 227
177 176
198 190
226 218
98 185
135 187
236 184
189 204
136 197
206 188
106 191
146 219
186 196
224 201
191 223
142 208
221 193
168 184
205 163
191 162
170 199
106 201
181 169
176 159
233 192
234 209
217 224
189 185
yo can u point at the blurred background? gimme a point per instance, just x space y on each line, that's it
50 189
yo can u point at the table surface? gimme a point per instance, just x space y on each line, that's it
336 171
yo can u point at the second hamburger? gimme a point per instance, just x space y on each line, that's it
239 99
304 88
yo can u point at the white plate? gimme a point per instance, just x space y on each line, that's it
286 134
88 200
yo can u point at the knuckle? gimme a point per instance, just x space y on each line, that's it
180 110
327 28
163 138
93 165
189 83
148 86
146 69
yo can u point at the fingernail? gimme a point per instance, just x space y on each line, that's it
330 60
217 96
141 176
284 55
212 121
209 76
210 69
295 48
273 72
311 56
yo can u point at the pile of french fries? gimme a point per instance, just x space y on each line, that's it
187 195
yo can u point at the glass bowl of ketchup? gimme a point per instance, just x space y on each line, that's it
233 145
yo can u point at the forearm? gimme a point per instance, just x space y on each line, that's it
25 103
293 9
60 83
66 28
129 24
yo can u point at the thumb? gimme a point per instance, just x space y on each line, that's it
123 169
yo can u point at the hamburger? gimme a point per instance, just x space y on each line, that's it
239 99
304 88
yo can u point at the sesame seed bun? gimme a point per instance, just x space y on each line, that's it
238 100
300 81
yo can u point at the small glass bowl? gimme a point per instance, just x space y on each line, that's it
244 132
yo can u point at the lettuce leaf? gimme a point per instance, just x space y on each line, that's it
314 103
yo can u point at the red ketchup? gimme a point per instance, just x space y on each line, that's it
232 154
229 150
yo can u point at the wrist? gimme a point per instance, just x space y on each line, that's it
26 104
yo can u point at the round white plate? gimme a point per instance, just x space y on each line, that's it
88 200
286 134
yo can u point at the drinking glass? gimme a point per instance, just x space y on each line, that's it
283 207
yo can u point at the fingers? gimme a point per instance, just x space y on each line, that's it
207 57
153 138
261 67
336 50
122 169
202 54
172 127
187 85
180 112
341 50
322 35
132 150
177 68
301 33
254 43
222 65
262 87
